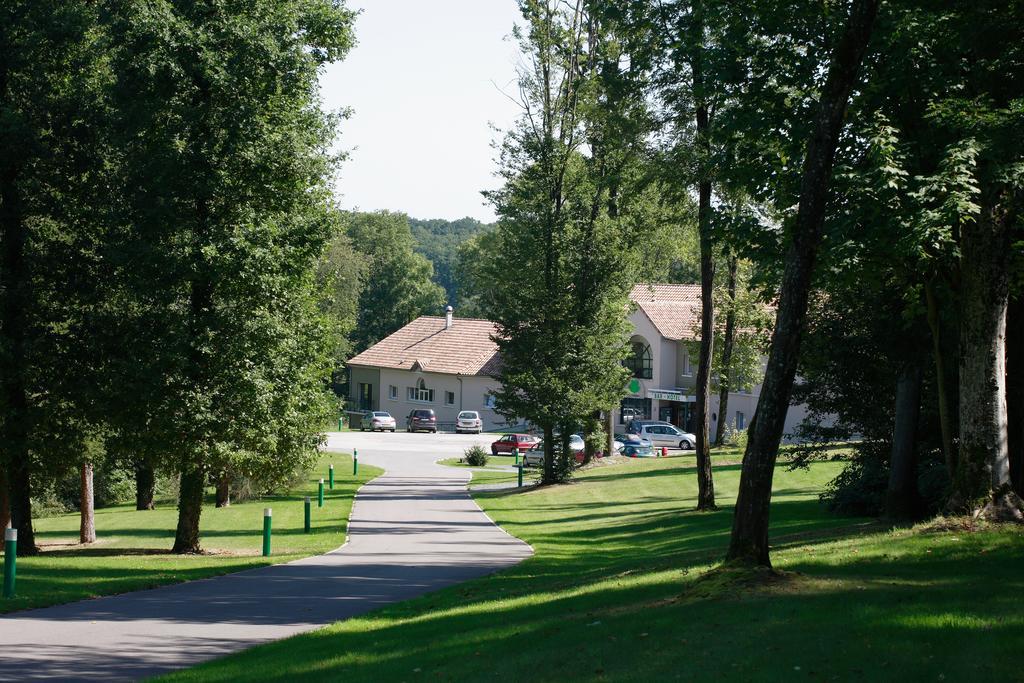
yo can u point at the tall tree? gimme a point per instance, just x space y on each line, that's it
565 220
51 74
397 286
225 215
749 541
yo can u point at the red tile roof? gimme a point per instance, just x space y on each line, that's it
424 344
673 309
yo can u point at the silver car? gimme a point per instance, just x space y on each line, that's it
535 456
377 420
666 434
469 421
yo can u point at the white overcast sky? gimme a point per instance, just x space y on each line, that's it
424 82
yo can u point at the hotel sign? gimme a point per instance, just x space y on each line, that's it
669 395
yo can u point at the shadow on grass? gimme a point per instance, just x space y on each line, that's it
841 618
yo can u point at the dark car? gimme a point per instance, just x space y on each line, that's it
421 419
508 443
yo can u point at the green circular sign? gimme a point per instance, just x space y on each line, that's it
634 386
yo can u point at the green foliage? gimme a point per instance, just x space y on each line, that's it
567 231
221 184
397 282
440 241
475 456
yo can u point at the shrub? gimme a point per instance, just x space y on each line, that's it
476 456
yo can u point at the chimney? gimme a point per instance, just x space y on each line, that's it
448 318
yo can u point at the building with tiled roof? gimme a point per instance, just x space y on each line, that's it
450 364
446 364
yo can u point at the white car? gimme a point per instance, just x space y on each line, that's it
664 434
377 420
469 421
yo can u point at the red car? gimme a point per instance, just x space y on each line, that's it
510 442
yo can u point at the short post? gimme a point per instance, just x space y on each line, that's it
307 515
516 451
664 452
520 468
330 475
266 532
10 560
340 424
355 462
320 495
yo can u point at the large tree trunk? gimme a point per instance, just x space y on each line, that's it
190 507
145 485
87 511
548 477
705 480
223 491
14 286
1015 390
725 377
945 414
982 483
749 542
902 500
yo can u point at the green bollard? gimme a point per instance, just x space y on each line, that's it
340 425
330 475
266 532
516 451
520 476
10 560
355 462
320 495
307 515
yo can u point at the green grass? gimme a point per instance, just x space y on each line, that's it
490 475
619 590
131 550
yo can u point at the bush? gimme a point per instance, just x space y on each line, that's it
475 456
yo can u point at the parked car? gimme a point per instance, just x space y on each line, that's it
469 421
634 446
534 457
421 419
662 434
510 442
377 419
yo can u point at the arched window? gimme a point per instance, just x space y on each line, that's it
420 392
639 360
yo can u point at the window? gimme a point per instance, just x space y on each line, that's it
365 396
449 398
634 408
741 420
420 393
639 361
489 401
392 392
687 370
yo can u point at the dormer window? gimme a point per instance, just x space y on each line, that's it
420 393
639 360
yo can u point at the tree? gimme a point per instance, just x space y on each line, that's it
224 211
439 241
749 541
398 284
50 79
564 220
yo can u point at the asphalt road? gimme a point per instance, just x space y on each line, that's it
412 530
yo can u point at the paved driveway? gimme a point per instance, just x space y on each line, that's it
412 530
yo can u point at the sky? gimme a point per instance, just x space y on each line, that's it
424 83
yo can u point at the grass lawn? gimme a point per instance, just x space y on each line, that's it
131 551
618 591
491 475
